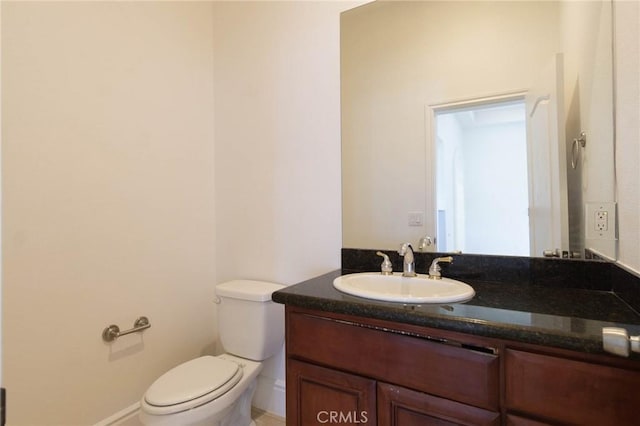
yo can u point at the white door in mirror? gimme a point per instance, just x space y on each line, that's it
617 341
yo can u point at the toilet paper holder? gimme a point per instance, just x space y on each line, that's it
111 333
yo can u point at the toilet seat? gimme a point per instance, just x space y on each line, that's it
191 384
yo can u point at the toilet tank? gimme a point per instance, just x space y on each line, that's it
250 324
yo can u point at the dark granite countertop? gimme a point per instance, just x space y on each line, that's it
568 318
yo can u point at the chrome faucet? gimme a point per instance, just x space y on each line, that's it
408 265
434 269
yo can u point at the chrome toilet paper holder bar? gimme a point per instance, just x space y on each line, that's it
112 332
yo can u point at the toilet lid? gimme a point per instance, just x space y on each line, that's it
193 379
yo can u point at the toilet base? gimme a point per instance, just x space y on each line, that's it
240 414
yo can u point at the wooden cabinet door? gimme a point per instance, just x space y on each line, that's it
399 406
319 396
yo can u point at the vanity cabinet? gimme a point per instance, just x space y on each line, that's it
381 375
344 369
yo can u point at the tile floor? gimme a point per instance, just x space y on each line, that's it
263 418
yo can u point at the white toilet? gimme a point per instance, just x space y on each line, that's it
218 390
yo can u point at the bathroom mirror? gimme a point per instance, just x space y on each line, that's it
415 74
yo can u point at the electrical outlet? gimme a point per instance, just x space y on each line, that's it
600 221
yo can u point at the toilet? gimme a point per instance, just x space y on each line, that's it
217 390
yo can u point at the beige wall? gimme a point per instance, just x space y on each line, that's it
108 201
123 199
277 132
627 45
277 84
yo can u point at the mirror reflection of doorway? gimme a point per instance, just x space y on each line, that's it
482 196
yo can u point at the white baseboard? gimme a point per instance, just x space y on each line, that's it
270 396
121 416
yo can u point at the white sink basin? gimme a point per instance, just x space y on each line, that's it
396 288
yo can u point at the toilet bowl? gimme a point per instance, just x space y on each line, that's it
217 390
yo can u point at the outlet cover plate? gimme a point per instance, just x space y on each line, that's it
600 221
415 218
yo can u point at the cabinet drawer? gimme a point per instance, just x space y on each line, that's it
417 363
570 391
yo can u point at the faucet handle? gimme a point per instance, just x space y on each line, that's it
434 269
425 242
386 268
